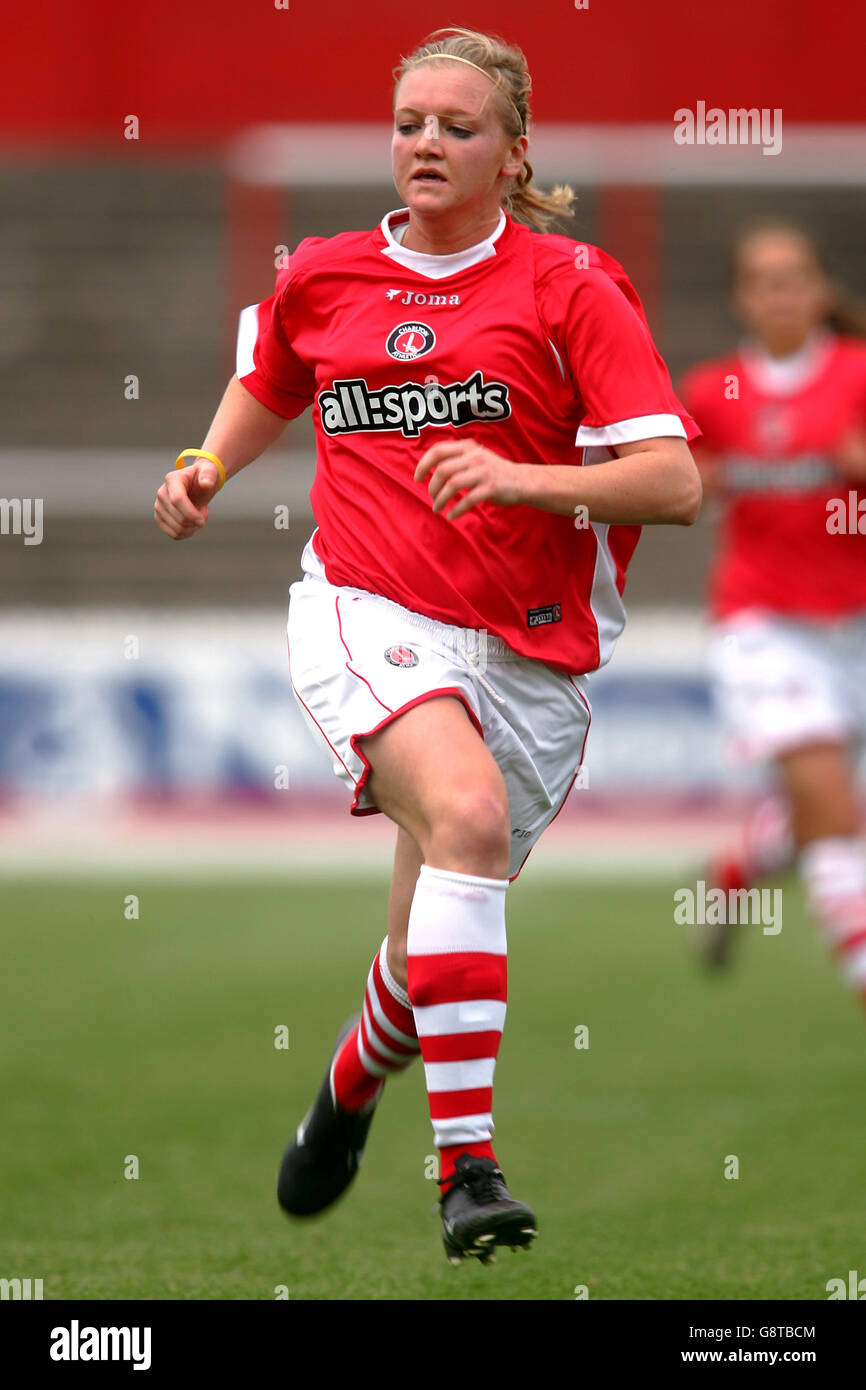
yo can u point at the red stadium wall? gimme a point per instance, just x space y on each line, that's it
194 71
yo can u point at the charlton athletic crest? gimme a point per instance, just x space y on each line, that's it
410 340
773 426
401 656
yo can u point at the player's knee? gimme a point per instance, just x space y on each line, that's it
396 958
473 829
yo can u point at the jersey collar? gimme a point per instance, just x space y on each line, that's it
434 267
782 376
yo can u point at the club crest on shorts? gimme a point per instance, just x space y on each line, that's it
410 340
401 656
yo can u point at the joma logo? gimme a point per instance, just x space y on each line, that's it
411 297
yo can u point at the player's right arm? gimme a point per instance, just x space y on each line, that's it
241 430
271 386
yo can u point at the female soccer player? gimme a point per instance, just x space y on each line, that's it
465 574
784 449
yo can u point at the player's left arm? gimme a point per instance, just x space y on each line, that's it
598 320
651 481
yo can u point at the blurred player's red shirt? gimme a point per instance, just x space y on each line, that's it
538 349
773 432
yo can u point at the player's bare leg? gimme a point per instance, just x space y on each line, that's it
408 859
382 1040
820 789
433 775
820 786
765 847
324 1157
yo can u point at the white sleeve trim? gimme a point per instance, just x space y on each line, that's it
626 431
248 332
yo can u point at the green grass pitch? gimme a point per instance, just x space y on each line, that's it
155 1038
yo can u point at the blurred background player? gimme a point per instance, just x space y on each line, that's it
453 599
783 454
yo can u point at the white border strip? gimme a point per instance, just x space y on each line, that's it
628 431
248 332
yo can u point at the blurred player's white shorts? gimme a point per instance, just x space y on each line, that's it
783 683
358 660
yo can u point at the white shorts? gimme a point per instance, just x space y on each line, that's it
358 661
782 683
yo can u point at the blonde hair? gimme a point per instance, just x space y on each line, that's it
505 65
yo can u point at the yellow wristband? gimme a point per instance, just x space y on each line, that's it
203 454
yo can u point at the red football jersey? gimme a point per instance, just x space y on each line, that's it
535 346
773 428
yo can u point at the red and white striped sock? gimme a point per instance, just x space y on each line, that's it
384 1042
765 847
457 969
833 873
